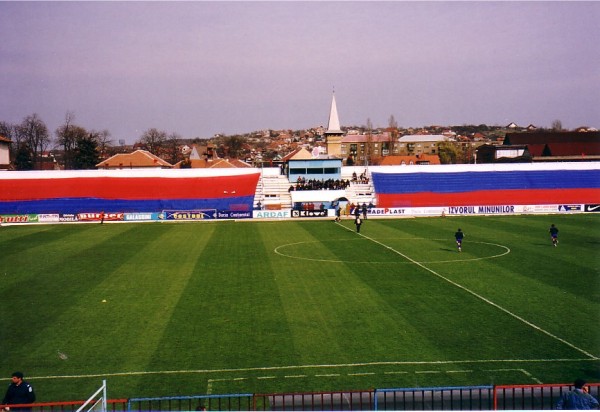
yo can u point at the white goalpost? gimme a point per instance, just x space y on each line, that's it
96 402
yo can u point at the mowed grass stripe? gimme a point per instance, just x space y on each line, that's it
46 281
333 313
229 313
123 332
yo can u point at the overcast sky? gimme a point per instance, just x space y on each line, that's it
200 68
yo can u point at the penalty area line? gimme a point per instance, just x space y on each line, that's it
478 296
293 367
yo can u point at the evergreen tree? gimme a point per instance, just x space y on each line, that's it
23 158
86 153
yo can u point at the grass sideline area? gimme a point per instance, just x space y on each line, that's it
167 309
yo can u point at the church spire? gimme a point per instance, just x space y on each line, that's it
334 120
334 133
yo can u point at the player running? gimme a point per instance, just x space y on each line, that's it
554 234
459 235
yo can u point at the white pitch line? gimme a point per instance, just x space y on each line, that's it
531 376
486 300
323 366
523 371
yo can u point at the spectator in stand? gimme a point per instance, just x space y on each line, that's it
578 398
19 392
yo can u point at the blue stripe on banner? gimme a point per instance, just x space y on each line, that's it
83 205
457 182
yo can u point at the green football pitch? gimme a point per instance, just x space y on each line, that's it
168 309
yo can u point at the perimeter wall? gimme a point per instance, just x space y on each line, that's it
197 194
154 194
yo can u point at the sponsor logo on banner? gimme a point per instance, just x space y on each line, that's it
272 214
49 217
425 211
309 213
537 209
387 211
187 214
230 214
18 218
592 208
97 217
140 216
569 208
480 210
67 217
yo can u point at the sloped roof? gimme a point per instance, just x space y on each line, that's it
198 151
551 137
397 160
215 164
137 159
573 149
363 138
299 153
5 139
239 163
534 149
419 138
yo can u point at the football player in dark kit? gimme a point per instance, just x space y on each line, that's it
19 392
554 234
459 235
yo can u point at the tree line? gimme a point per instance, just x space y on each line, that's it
75 147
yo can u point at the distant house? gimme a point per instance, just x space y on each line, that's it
4 153
558 146
488 153
300 153
211 164
359 145
422 159
542 147
414 144
139 159
204 152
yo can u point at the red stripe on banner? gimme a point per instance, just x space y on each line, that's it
129 188
491 197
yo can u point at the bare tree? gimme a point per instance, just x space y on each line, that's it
172 152
67 136
35 133
103 141
369 142
393 133
557 126
154 140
